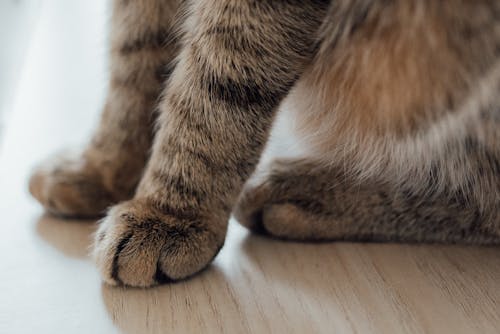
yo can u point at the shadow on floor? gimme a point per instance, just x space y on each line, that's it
71 237
375 284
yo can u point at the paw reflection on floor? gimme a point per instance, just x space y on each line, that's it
71 237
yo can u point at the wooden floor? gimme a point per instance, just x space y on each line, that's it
256 285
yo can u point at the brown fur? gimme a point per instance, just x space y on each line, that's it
396 101
303 201
108 170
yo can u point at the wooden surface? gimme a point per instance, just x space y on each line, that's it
49 285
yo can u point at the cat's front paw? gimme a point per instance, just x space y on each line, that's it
68 185
138 245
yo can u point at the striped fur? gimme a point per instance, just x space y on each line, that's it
110 167
395 101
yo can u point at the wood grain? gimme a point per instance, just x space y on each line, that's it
256 285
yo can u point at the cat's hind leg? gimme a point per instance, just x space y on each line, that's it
414 159
143 44
301 201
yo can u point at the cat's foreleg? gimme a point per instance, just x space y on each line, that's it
239 60
143 43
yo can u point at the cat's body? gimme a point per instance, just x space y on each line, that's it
397 103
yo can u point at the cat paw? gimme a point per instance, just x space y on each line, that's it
70 187
266 211
137 245
250 208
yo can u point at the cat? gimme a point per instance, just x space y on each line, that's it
397 103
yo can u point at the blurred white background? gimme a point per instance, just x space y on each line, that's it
17 20
53 57
53 81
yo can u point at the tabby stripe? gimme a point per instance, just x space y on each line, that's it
162 278
181 186
245 93
150 40
115 267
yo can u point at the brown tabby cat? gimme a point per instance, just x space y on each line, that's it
397 102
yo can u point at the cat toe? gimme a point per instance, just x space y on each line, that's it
138 246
